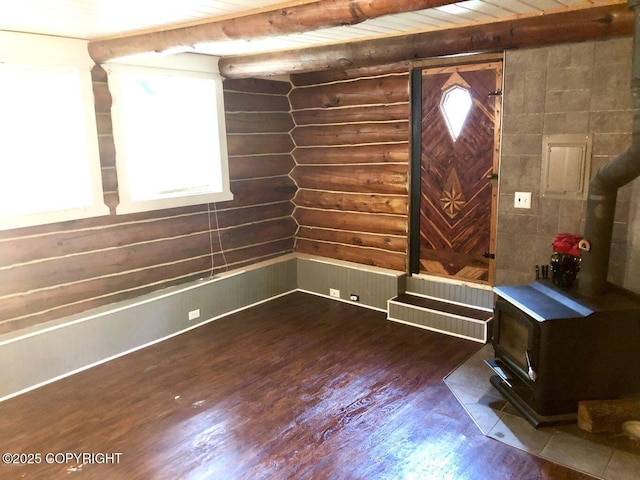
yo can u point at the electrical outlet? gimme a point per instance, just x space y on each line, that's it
335 293
522 200
193 314
354 297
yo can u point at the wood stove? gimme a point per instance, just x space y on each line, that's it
554 348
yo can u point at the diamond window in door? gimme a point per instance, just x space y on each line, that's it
455 106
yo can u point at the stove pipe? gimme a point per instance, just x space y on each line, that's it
603 189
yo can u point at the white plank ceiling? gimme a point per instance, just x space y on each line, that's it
91 19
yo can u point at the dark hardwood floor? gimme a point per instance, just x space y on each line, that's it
301 387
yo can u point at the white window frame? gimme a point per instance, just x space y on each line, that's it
54 54
180 65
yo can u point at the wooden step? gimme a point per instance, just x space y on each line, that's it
464 321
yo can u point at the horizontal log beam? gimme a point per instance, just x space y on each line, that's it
296 18
351 134
257 85
366 91
258 122
328 76
261 232
259 166
353 253
569 26
367 113
63 270
240 216
369 240
250 102
272 143
345 154
247 255
352 202
76 297
260 191
64 244
384 179
351 221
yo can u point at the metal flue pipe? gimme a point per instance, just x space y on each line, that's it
603 189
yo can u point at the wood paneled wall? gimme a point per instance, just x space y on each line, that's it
257 224
352 153
55 270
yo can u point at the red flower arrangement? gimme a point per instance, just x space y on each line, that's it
567 243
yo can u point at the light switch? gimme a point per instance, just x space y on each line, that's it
522 200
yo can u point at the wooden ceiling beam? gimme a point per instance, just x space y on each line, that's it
569 26
294 19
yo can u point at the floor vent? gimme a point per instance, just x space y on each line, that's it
462 321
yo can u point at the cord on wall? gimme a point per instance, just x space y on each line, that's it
224 258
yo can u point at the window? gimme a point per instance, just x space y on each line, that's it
49 159
169 133
455 106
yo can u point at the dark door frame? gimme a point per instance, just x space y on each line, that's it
415 173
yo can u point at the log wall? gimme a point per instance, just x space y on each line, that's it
54 270
352 155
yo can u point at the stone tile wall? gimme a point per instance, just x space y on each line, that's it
564 89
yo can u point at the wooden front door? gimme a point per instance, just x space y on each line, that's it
458 158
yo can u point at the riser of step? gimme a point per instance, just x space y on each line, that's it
453 292
466 322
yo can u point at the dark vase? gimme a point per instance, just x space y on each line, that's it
564 269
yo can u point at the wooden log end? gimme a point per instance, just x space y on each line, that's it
607 416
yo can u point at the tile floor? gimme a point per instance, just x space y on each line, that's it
605 456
